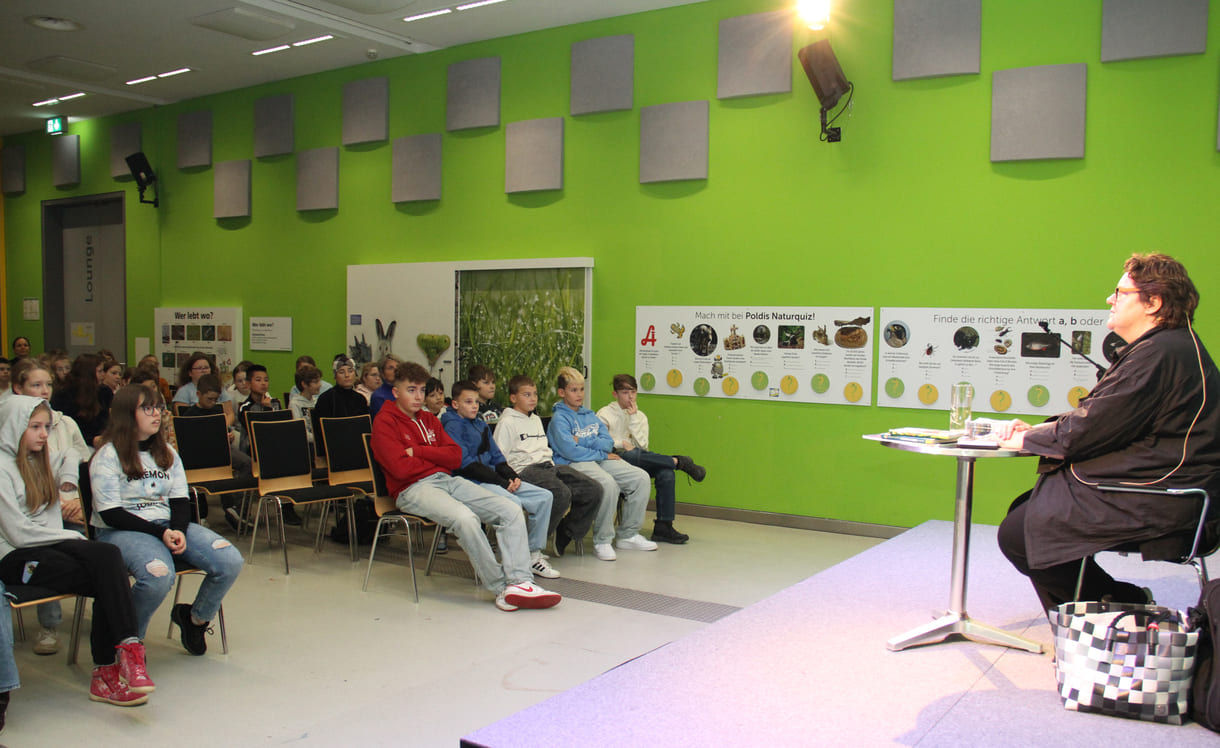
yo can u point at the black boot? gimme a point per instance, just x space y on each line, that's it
561 541
4 697
663 530
688 466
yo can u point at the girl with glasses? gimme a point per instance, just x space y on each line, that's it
141 505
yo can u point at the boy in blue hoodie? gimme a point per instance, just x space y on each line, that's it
580 439
483 463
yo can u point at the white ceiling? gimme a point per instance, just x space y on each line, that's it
122 40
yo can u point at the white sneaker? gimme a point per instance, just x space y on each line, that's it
527 595
503 604
47 642
636 542
604 552
541 568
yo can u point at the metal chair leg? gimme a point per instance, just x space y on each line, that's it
436 541
78 618
279 511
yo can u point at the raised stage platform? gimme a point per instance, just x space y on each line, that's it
809 666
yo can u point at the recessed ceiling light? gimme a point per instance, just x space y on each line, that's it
46 102
179 71
431 14
478 4
51 23
314 40
145 79
269 50
71 96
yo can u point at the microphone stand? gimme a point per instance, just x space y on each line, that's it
1046 328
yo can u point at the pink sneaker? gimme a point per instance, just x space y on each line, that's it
527 595
107 686
132 669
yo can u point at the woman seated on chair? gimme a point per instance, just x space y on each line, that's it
84 399
1152 420
35 549
140 503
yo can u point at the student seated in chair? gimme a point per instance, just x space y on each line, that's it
483 463
522 439
629 429
305 395
418 458
208 404
340 401
578 438
141 504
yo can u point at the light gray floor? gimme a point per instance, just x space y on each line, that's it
315 661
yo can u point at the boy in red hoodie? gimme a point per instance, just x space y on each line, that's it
418 459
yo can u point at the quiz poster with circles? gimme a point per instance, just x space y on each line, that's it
1026 361
781 354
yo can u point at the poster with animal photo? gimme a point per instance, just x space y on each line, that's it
1026 361
781 354
183 330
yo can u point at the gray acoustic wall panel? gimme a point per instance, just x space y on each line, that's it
366 111
318 179
473 98
1038 112
415 171
274 126
673 141
755 55
603 75
65 160
12 169
231 189
533 155
195 139
124 141
1152 28
936 37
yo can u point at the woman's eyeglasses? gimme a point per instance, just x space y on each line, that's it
152 410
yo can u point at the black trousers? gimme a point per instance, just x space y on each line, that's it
83 567
576 497
1056 585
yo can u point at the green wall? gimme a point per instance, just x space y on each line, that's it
906 211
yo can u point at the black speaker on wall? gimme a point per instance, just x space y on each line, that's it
143 173
827 78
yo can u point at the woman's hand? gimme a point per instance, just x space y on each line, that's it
72 511
513 485
174 540
1012 434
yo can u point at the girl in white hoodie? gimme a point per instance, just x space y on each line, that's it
36 550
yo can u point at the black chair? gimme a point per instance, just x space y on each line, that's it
252 416
389 513
346 464
203 445
1187 548
286 477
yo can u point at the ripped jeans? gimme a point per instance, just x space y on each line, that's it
151 563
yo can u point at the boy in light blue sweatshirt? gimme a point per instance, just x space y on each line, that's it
580 439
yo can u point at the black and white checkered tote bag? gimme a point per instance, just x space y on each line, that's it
1132 661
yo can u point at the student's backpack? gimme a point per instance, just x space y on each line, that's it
1205 691
364 518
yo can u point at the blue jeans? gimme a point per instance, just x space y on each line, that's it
661 468
151 563
463 506
8 665
615 476
536 501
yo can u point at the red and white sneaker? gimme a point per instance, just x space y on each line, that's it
132 669
528 595
107 686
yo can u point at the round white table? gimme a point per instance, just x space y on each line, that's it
956 620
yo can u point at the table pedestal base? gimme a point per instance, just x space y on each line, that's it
963 625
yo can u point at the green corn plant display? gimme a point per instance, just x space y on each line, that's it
522 322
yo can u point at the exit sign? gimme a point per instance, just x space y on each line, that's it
55 126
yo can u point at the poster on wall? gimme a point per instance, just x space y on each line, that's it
1028 361
184 330
781 354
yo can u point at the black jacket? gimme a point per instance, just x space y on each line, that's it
1132 427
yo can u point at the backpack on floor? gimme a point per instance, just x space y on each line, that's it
364 518
1205 692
